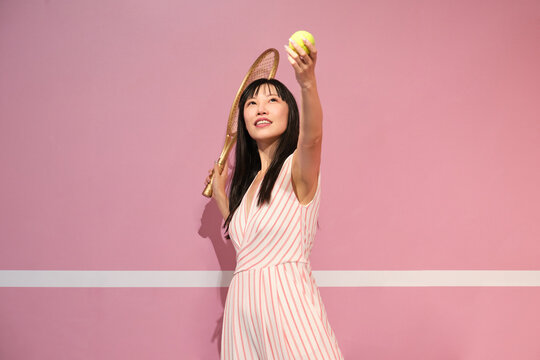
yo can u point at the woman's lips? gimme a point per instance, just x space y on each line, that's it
262 122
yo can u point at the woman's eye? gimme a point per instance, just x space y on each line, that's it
273 99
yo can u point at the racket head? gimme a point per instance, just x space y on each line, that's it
265 66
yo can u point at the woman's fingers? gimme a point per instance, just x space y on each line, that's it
293 58
218 176
298 47
209 177
312 49
300 56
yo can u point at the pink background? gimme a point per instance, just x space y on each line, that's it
111 114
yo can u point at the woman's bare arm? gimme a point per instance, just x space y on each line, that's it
307 160
223 205
218 188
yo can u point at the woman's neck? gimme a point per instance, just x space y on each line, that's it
266 154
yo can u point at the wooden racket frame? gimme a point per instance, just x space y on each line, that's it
230 138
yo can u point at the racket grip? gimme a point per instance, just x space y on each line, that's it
222 162
208 189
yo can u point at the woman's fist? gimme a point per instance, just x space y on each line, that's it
302 62
218 181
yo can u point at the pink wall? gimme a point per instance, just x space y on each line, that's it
111 114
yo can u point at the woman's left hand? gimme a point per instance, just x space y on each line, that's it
303 64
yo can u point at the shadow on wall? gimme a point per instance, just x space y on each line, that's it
211 228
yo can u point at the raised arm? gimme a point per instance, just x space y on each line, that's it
307 159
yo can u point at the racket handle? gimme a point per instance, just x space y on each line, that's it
208 189
222 162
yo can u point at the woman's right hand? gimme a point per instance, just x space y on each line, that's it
218 182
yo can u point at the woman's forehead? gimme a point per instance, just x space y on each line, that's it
267 89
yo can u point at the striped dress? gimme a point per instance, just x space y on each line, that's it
273 308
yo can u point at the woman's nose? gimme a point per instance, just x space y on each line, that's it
261 109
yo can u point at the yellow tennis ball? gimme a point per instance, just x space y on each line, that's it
297 37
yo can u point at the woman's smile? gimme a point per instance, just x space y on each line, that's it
262 122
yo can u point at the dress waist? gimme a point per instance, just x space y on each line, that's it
306 263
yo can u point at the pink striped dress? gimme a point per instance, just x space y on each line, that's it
273 308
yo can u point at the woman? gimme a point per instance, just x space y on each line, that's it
274 309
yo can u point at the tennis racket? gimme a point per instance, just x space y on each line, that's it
265 66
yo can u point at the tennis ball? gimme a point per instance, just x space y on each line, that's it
297 37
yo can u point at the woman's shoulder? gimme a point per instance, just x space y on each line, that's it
288 162
289 158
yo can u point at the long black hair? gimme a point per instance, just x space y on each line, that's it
248 161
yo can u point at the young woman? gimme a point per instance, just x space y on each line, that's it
274 309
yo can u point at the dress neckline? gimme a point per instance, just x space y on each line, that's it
252 205
248 211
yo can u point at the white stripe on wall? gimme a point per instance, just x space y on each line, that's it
85 278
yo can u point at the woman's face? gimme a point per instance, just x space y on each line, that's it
266 105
